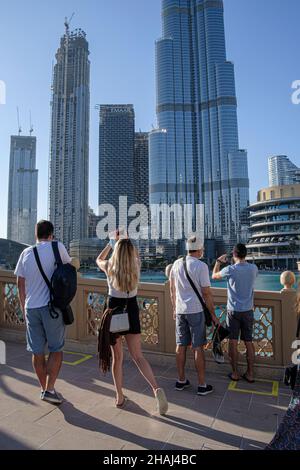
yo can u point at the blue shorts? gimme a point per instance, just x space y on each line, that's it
44 330
191 330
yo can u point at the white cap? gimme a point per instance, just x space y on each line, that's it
194 244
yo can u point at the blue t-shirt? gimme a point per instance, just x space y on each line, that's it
240 280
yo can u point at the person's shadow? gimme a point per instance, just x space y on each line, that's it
83 420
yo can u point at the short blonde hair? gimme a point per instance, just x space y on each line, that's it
288 279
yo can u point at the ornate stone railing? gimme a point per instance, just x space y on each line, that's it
274 331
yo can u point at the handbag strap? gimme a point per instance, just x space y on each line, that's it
39 264
53 313
56 253
126 304
192 284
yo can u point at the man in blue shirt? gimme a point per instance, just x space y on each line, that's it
241 277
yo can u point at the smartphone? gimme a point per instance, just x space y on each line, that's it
122 232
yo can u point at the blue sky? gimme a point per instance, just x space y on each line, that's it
262 40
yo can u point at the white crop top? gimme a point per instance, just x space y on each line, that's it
112 292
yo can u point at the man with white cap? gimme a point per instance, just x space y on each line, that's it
189 275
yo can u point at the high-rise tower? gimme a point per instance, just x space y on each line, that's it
141 168
116 155
194 153
22 192
282 171
69 152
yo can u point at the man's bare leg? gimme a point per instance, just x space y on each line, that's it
180 362
40 367
233 354
53 367
200 364
250 360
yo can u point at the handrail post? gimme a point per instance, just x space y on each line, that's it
169 330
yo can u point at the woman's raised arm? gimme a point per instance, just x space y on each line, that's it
101 261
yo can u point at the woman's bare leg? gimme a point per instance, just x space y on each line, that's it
117 370
135 350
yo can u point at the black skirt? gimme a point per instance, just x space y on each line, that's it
133 313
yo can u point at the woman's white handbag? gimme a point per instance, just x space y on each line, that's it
119 322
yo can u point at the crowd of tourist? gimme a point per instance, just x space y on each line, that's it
192 303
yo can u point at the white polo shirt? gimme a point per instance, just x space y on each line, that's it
187 301
37 292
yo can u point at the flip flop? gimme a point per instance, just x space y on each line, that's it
248 380
122 405
231 378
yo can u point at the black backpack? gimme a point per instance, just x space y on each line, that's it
63 285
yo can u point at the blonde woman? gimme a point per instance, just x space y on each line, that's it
123 272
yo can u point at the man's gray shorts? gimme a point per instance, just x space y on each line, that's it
43 330
241 324
191 330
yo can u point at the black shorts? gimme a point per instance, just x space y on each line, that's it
241 323
133 313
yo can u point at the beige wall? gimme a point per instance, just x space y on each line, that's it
278 192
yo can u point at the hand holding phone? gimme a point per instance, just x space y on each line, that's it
223 259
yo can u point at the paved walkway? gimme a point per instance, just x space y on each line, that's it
88 419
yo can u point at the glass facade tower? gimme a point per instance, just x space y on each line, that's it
194 153
22 192
116 155
282 171
141 168
69 147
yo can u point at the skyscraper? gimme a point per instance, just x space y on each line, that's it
282 171
22 192
116 155
69 152
93 220
141 168
194 153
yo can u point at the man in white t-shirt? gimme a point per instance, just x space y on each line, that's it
189 315
34 295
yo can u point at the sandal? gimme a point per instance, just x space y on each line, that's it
231 378
248 380
120 406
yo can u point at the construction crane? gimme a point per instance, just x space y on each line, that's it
18 116
30 125
67 23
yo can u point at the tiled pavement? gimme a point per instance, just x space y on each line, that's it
88 419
